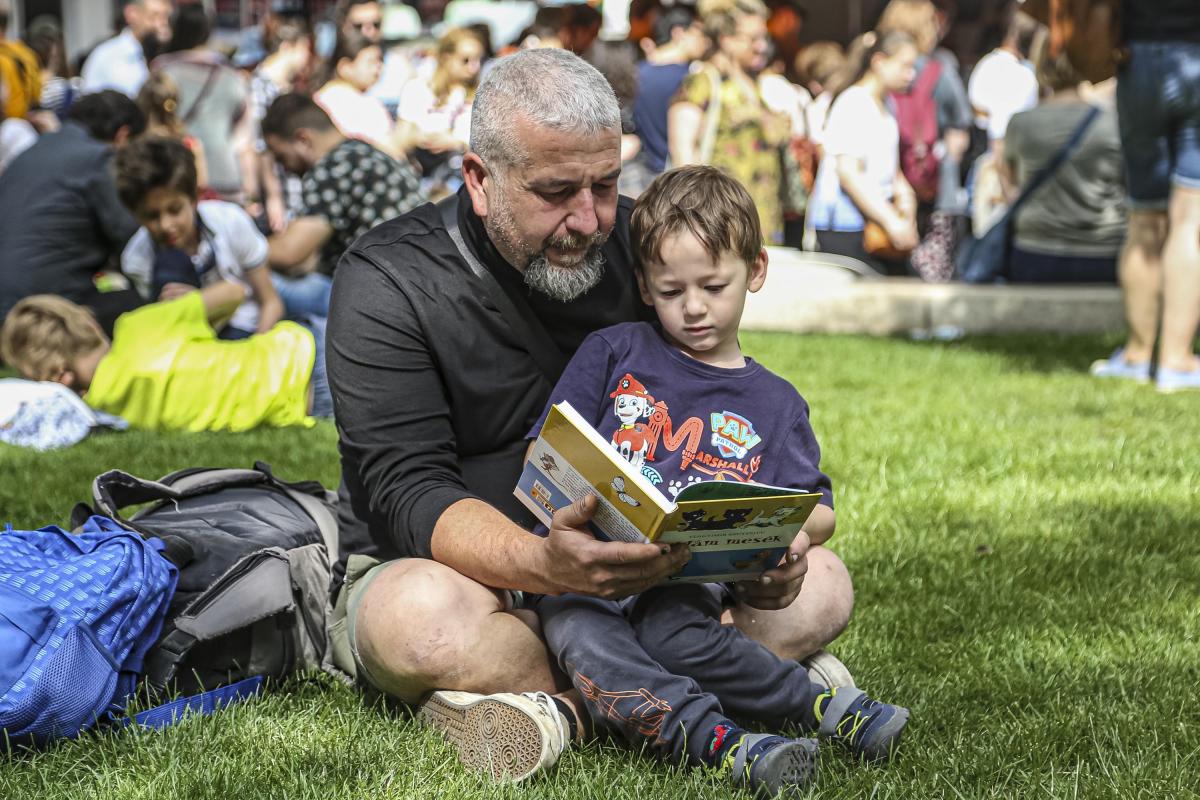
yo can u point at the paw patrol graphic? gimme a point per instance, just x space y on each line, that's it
631 403
732 434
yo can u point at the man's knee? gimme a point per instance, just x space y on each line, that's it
415 625
833 605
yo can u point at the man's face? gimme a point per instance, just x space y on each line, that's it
552 214
295 154
366 19
150 18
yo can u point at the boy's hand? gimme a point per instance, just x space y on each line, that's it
580 563
777 588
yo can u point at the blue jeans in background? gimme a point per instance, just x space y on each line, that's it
304 296
322 397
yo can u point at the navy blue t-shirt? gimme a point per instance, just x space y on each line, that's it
657 85
686 421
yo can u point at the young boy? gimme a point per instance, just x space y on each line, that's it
661 668
185 243
165 368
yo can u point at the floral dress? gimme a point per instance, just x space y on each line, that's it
747 143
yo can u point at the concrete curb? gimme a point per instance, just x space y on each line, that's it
811 293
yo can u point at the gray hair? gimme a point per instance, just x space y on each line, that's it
549 87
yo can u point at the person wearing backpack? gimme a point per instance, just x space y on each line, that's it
934 117
860 185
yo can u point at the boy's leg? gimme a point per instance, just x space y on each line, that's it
624 689
679 627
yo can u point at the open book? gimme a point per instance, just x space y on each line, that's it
735 530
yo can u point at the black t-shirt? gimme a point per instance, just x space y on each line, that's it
433 390
1161 20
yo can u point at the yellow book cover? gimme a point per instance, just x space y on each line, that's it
735 530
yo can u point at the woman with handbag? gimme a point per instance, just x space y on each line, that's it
862 206
718 117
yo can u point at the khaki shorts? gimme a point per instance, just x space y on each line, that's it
360 572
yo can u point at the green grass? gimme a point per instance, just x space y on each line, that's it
1023 544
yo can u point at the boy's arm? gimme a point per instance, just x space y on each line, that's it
270 306
821 524
220 300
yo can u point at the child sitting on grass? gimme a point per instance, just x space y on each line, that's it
165 368
661 668
185 243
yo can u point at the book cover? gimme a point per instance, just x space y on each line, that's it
735 530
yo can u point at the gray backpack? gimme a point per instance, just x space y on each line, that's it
255 557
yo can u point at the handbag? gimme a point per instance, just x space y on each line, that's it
985 259
877 243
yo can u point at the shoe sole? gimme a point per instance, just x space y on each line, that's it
791 765
826 669
491 736
886 741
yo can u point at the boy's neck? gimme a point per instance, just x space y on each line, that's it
728 355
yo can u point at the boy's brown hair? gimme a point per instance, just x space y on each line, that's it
43 336
703 201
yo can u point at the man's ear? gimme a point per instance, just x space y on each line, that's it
121 137
758 271
478 180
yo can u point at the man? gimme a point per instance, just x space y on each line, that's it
679 40
364 17
1158 101
348 187
61 222
121 62
434 392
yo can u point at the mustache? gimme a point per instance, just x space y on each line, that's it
576 241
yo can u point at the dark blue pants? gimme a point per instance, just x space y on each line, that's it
662 670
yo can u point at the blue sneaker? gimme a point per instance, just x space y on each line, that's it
870 729
1170 380
1115 366
768 764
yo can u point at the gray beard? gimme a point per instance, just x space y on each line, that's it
565 283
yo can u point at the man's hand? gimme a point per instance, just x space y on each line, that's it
777 588
578 562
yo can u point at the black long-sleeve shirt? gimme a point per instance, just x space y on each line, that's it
433 390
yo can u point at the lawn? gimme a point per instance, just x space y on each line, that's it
1024 546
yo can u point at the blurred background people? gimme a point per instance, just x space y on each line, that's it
121 62
353 69
159 101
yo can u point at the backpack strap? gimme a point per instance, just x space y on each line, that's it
1056 163
519 316
204 704
255 588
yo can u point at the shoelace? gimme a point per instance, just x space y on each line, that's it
546 703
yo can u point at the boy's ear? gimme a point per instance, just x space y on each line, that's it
758 271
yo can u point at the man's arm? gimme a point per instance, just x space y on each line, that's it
394 420
299 242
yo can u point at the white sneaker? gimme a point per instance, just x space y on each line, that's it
509 736
827 670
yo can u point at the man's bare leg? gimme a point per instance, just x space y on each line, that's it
1141 274
422 626
820 613
1181 281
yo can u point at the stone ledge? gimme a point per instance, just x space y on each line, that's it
813 293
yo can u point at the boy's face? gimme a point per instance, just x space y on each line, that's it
699 301
170 217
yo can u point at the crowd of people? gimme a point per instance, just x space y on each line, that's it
194 240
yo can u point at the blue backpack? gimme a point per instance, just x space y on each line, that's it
77 615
